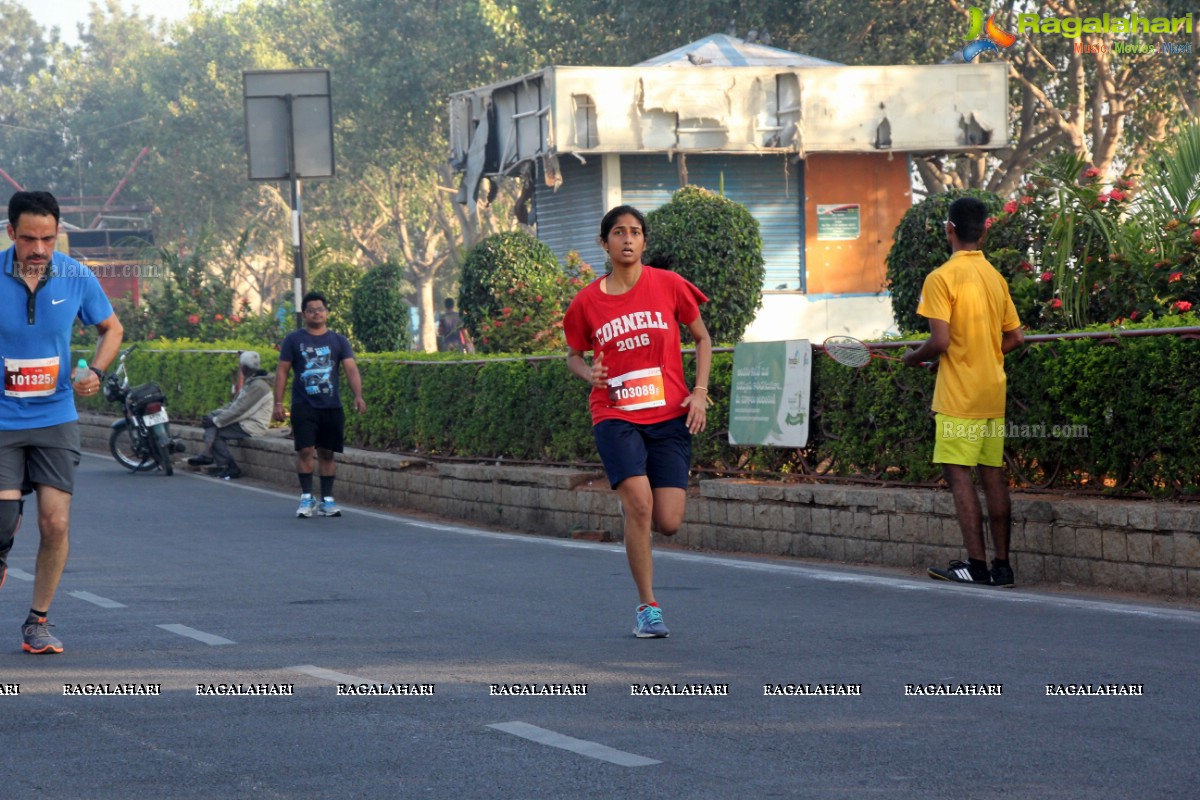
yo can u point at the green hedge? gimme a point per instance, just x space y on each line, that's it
195 376
1138 399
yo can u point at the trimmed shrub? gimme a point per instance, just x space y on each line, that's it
715 243
379 315
920 246
514 294
338 282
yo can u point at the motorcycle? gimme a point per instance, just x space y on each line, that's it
142 440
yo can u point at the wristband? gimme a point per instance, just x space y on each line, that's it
700 389
99 373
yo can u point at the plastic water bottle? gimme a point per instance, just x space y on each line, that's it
81 371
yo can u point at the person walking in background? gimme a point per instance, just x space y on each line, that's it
249 414
42 293
318 421
973 324
643 413
452 337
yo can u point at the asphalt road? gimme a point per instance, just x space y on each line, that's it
186 582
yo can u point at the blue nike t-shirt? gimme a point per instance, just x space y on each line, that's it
35 339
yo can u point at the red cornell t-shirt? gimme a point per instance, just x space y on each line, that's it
638 334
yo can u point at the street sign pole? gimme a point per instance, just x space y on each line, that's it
289 136
300 277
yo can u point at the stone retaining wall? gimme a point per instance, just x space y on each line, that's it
1128 545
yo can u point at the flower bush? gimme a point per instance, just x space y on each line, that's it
1092 259
190 301
1074 251
514 294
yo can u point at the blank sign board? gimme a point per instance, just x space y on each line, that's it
289 121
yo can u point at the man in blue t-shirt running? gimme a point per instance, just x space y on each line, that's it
318 422
42 293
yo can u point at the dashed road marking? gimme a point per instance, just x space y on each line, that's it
96 599
581 746
200 636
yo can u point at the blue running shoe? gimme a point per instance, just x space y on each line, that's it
308 504
328 508
650 623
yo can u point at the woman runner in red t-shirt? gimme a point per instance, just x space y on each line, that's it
643 413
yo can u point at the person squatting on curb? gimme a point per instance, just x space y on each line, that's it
643 413
248 414
42 293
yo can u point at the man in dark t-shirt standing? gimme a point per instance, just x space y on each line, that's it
318 421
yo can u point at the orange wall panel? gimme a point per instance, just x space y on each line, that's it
881 187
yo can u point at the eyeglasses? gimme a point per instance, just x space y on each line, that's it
316 310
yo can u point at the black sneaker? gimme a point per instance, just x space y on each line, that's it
958 572
230 473
1002 576
200 461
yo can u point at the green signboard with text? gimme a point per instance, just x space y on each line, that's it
769 399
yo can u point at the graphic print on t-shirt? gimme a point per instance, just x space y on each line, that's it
317 376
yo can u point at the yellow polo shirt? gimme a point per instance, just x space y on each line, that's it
968 293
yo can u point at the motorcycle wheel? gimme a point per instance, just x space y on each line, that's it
120 442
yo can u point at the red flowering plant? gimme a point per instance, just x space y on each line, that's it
189 301
1161 272
1078 259
514 294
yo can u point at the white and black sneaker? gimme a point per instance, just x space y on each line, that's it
960 572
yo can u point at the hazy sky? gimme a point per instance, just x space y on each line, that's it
67 14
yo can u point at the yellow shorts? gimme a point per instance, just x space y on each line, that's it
969 442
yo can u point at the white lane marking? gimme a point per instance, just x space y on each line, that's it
581 746
19 574
200 636
326 674
103 602
827 575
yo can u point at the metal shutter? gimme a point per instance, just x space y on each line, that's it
569 219
770 187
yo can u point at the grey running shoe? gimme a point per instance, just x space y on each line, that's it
37 637
308 504
650 623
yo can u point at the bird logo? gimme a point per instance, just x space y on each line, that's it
984 36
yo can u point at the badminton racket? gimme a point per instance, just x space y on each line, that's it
853 352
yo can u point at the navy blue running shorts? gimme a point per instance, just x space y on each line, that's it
662 451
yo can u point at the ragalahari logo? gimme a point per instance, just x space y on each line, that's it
984 36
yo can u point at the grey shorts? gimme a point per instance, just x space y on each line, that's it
40 456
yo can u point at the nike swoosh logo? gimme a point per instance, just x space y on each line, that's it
56 302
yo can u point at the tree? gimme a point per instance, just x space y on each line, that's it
379 314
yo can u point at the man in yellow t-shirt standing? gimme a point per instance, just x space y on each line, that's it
972 324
